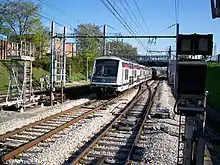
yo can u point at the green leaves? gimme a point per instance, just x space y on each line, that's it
18 17
87 44
119 48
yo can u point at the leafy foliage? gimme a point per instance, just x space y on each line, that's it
88 44
20 20
41 39
86 48
119 48
18 17
92 47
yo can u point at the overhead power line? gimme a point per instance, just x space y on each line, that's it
135 18
136 4
60 21
132 20
58 9
55 21
120 19
166 28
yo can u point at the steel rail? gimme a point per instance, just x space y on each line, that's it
40 138
18 130
48 134
148 109
108 127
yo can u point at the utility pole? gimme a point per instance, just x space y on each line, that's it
70 73
104 43
87 68
52 64
176 72
109 48
63 72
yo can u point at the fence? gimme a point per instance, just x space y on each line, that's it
8 48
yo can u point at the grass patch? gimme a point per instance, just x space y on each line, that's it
78 77
37 73
5 75
213 85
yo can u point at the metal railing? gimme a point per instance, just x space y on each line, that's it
8 48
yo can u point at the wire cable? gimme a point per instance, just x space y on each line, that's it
135 20
58 10
136 4
127 27
166 28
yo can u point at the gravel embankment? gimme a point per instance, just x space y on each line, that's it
37 114
160 144
62 145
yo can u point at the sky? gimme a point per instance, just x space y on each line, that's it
194 16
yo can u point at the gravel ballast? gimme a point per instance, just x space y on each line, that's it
38 115
68 141
161 144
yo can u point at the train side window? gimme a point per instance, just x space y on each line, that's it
126 74
135 73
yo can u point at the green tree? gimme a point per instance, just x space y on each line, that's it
41 39
87 47
18 17
87 44
119 48
20 20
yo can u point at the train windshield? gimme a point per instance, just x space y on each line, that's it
106 68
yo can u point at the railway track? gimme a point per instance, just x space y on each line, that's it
20 140
114 144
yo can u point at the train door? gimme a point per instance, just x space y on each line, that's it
132 76
138 75
123 75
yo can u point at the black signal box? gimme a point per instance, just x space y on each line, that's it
195 44
192 78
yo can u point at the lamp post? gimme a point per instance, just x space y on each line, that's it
87 68
70 74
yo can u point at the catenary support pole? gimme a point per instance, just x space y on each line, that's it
104 43
176 72
87 68
63 64
51 63
189 120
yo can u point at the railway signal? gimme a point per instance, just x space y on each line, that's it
191 95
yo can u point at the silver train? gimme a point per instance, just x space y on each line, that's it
112 75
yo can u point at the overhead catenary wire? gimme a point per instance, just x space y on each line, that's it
139 24
62 12
58 21
120 19
135 18
165 28
144 21
58 9
65 13
135 24
55 21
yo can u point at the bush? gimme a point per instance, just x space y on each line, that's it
78 77
43 63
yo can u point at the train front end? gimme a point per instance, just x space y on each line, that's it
104 77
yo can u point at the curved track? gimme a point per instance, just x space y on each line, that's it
114 144
19 140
